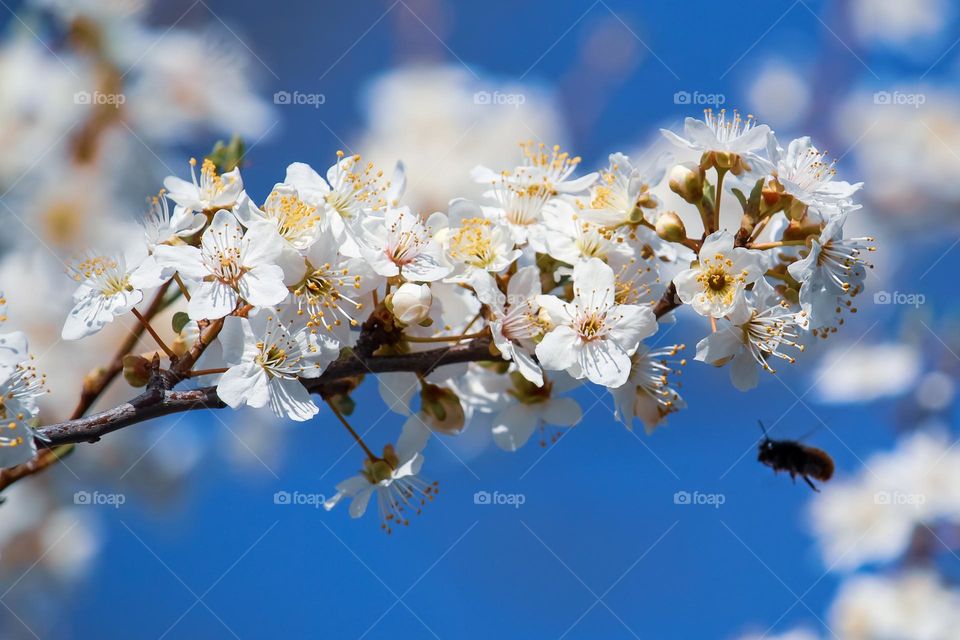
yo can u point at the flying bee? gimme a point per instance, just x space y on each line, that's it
796 459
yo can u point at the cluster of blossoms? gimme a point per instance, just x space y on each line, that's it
563 277
20 386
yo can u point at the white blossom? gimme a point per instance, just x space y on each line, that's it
716 133
622 195
163 227
832 273
399 244
572 240
13 349
229 266
333 291
182 83
533 408
717 282
267 358
648 393
110 286
394 480
208 194
759 326
351 191
593 337
521 210
475 243
804 173
514 323
872 516
548 169
19 390
296 221
912 605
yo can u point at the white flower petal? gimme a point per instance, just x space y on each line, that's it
211 300
558 349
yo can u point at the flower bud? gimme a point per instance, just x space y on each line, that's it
410 303
442 409
670 227
686 180
136 370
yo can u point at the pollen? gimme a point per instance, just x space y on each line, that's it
293 216
103 273
472 243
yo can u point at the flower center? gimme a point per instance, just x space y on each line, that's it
226 266
405 244
104 274
472 243
591 326
343 204
718 280
728 130
322 291
292 215
211 184
280 359
591 243
812 170
554 166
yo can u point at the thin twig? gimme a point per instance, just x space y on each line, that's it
183 287
196 373
466 336
356 436
146 325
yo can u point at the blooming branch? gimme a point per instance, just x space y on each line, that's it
500 306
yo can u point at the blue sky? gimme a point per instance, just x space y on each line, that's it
598 549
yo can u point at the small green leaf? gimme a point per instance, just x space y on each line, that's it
228 156
180 320
742 198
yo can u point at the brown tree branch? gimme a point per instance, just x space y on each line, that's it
667 302
93 387
157 401
160 400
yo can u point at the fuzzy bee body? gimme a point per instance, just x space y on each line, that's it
796 459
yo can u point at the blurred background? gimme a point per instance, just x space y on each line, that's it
100 99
